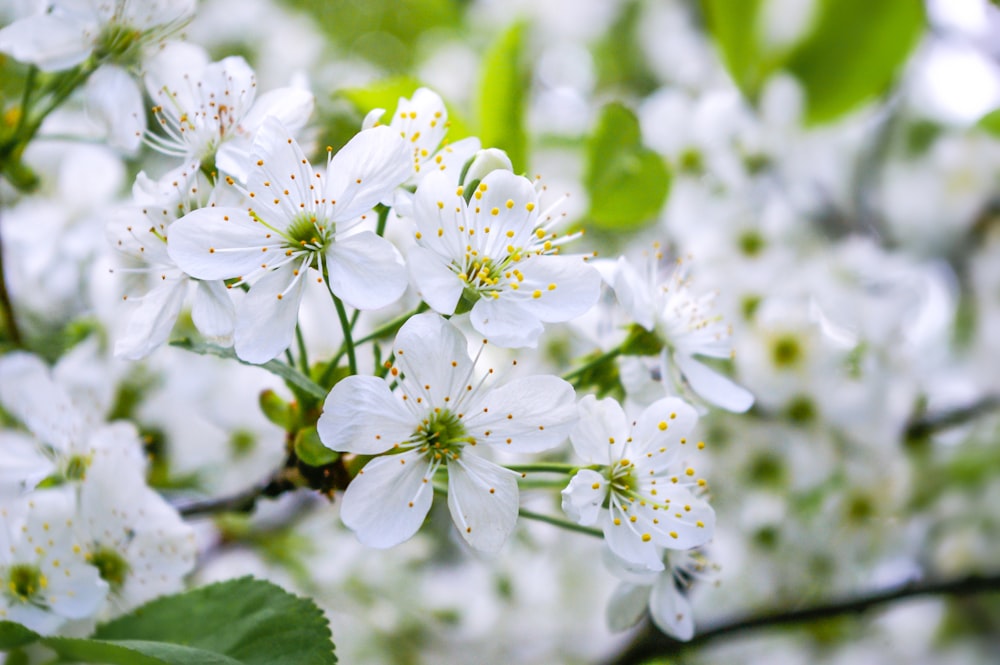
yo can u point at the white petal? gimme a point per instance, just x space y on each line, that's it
506 323
634 293
583 497
361 415
625 540
436 284
115 101
487 161
482 498
266 318
600 434
388 500
212 309
434 355
712 386
219 243
49 41
670 610
663 424
24 465
150 324
292 106
365 171
454 156
565 285
421 120
28 392
527 415
627 606
366 271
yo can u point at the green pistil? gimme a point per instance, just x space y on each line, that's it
116 41
24 581
76 468
112 567
306 232
443 435
786 352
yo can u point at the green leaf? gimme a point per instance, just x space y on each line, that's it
244 621
14 635
504 78
627 182
134 652
853 53
618 56
733 25
990 123
385 94
276 367
310 450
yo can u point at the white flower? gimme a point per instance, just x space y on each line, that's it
684 323
422 121
660 592
498 254
69 31
646 494
139 544
64 444
298 219
44 577
209 112
434 420
140 232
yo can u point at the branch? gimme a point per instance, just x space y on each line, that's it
6 306
241 502
924 426
650 643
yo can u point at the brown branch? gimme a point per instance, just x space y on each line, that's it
650 643
926 425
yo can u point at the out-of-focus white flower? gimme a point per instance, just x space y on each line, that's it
684 323
650 489
209 112
61 433
497 254
45 578
437 416
299 219
139 544
141 232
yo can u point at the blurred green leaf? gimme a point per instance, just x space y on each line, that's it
385 94
853 53
383 32
504 81
310 450
619 57
733 26
627 182
13 635
991 123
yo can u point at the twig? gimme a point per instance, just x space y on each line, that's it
241 502
6 305
650 643
929 424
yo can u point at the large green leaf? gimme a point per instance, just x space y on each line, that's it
504 80
238 622
627 182
990 123
250 621
853 53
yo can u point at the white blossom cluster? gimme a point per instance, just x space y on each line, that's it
730 395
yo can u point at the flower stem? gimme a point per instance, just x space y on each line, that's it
592 363
383 217
559 522
303 355
545 467
392 326
345 324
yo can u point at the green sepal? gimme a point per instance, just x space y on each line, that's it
310 450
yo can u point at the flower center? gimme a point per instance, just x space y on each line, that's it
24 581
111 565
786 352
442 435
116 40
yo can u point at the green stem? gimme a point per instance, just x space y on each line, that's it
392 326
13 331
545 467
383 217
592 363
301 344
29 84
345 325
530 484
556 521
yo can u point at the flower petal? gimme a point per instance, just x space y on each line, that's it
527 415
388 500
266 318
663 424
436 284
712 386
583 497
115 101
432 353
212 309
361 415
483 501
634 293
151 322
365 171
28 392
600 435
219 243
366 271
506 323
558 288
670 609
49 41
627 606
